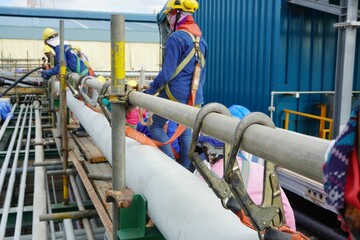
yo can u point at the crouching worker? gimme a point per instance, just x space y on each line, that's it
73 63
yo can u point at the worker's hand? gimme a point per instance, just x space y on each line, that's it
46 75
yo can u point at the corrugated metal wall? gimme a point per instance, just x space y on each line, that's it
260 46
243 38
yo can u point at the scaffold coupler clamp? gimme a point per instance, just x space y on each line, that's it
122 199
270 212
218 185
72 85
102 95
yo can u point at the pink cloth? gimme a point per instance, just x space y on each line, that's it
132 117
255 188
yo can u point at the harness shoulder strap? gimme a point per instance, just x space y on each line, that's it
78 62
196 51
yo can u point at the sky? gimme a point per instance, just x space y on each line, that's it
125 6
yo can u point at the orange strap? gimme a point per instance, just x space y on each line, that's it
132 133
286 229
138 136
141 138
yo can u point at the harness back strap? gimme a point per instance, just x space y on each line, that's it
199 58
78 66
132 133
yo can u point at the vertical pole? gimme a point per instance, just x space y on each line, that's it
63 114
142 79
322 133
286 120
52 93
118 110
345 65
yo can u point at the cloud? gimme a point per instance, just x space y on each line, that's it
131 6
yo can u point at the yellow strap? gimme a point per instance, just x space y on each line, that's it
183 63
169 94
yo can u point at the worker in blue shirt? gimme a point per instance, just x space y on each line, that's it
73 62
175 80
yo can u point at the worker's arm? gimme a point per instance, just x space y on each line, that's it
56 69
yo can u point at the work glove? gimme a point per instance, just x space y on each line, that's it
46 75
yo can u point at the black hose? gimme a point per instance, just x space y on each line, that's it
320 229
19 80
3 79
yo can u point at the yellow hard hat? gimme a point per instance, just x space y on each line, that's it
47 33
132 83
184 5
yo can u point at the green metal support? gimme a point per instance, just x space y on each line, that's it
133 221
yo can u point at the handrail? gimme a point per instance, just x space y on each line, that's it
322 131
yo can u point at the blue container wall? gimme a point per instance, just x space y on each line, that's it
243 38
260 46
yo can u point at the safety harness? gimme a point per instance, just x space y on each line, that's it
78 63
200 63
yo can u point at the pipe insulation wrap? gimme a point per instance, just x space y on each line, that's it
180 204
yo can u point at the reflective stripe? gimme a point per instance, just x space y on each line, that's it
78 63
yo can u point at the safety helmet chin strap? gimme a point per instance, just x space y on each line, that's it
178 15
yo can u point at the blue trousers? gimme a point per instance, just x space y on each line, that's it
158 133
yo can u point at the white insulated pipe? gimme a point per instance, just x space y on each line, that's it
39 229
19 215
10 149
11 183
181 205
7 120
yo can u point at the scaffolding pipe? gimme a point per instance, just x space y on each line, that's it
10 149
39 229
79 234
84 196
67 215
63 115
166 186
11 183
7 120
52 226
293 151
117 111
86 222
19 215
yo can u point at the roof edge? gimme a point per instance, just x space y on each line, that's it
73 14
